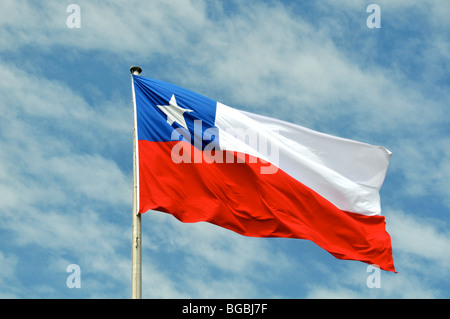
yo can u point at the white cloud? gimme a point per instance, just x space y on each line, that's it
7 276
422 237
54 196
43 123
93 176
153 27
351 284
421 256
210 262
424 162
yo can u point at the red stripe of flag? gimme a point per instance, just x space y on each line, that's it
238 197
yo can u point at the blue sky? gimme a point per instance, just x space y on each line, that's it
66 140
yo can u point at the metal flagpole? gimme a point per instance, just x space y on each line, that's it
136 250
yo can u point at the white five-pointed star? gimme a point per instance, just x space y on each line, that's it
174 112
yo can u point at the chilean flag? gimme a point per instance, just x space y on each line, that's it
200 160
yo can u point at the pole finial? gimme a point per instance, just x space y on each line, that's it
136 70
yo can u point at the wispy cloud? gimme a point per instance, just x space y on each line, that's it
50 198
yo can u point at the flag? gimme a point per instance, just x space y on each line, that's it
200 160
